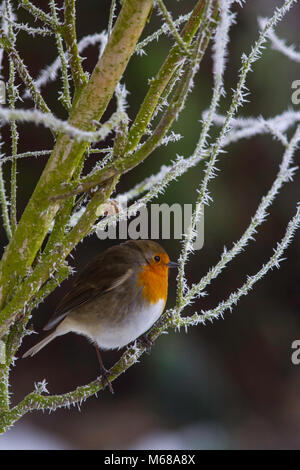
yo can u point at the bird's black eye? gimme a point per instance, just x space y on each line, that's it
157 258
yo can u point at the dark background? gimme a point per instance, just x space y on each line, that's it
230 384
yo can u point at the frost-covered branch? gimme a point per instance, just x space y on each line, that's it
240 128
66 94
56 219
38 13
164 29
158 85
232 300
4 207
13 96
69 35
67 157
172 26
220 50
285 174
58 125
23 73
280 45
49 73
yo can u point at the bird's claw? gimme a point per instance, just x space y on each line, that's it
105 380
146 342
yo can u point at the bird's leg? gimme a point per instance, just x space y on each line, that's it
104 372
146 342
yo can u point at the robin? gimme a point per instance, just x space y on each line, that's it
115 299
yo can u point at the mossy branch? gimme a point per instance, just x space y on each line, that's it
69 35
27 273
159 83
170 319
67 153
23 73
41 15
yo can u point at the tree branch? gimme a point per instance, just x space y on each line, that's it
162 78
67 153
69 35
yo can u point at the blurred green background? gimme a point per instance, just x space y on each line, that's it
230 384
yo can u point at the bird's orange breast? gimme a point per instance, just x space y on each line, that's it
154 280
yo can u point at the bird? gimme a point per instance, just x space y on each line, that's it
115 299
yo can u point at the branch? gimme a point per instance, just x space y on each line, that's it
164 29
172 27
18 329
69 35
4 206
161 80
57 125
111 17
226 19
25 291
67 154
280 45
40 14
65 98
23 73
175 105
12 98
232 300
284 175
38 153
49 73
35 400
124 162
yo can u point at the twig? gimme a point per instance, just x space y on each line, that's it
69 35
12 97
284 175
40 14
52 260
38 153
234 297
175 104
24 74
111 17
172 27
49 73
161 80
4 207
66 96
57 125
163 30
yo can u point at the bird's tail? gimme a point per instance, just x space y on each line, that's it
32 351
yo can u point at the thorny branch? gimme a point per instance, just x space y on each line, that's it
28 273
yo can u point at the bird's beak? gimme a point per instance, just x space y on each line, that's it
172 264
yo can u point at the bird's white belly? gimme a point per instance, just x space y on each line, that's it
134 325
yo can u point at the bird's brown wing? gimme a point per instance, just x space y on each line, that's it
97 278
